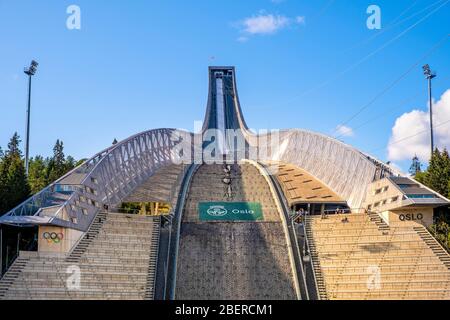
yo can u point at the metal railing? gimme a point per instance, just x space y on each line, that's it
107 178
291 238
435 234
9 261
311 262
173 247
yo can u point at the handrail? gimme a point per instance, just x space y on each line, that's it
156 260
74 246
51 185
295 265
14 258
110 175
311 261
178 217
432 233
43 195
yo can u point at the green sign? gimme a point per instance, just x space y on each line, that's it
230 211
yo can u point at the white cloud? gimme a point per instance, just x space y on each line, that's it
414 126
266 24
395 166
344 131
300 19
242 39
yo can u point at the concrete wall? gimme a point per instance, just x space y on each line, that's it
57 239
387 191
419 216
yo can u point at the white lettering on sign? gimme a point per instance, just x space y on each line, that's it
237 211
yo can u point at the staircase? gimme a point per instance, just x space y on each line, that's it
375 217
154 251
116 259
11 275
90 235
320 282
434 245
358 260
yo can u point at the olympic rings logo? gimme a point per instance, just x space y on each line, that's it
53 237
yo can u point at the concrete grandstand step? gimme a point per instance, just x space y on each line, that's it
116 257
411 264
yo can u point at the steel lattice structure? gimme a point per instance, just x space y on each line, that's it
105 179
344 169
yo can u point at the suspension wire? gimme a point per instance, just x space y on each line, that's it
396 81
393 24
359 62
322 10
411 136
381 115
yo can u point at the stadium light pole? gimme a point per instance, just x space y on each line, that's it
429 76
30 71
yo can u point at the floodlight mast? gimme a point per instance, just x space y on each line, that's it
429 75
30 71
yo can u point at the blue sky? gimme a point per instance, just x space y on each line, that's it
139 65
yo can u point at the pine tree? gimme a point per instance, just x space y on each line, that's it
70 164
14 186
58 155
438 172
416 166
80 162
18 187
13 146
57 163
448 196
37 175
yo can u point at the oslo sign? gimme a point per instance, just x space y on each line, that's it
230 211
410 217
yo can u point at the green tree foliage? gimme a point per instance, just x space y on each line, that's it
14 186
437 176
70 163
441 229
17 183
37 175
80 162
448 189
57 164
13 146
421 177
416 166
